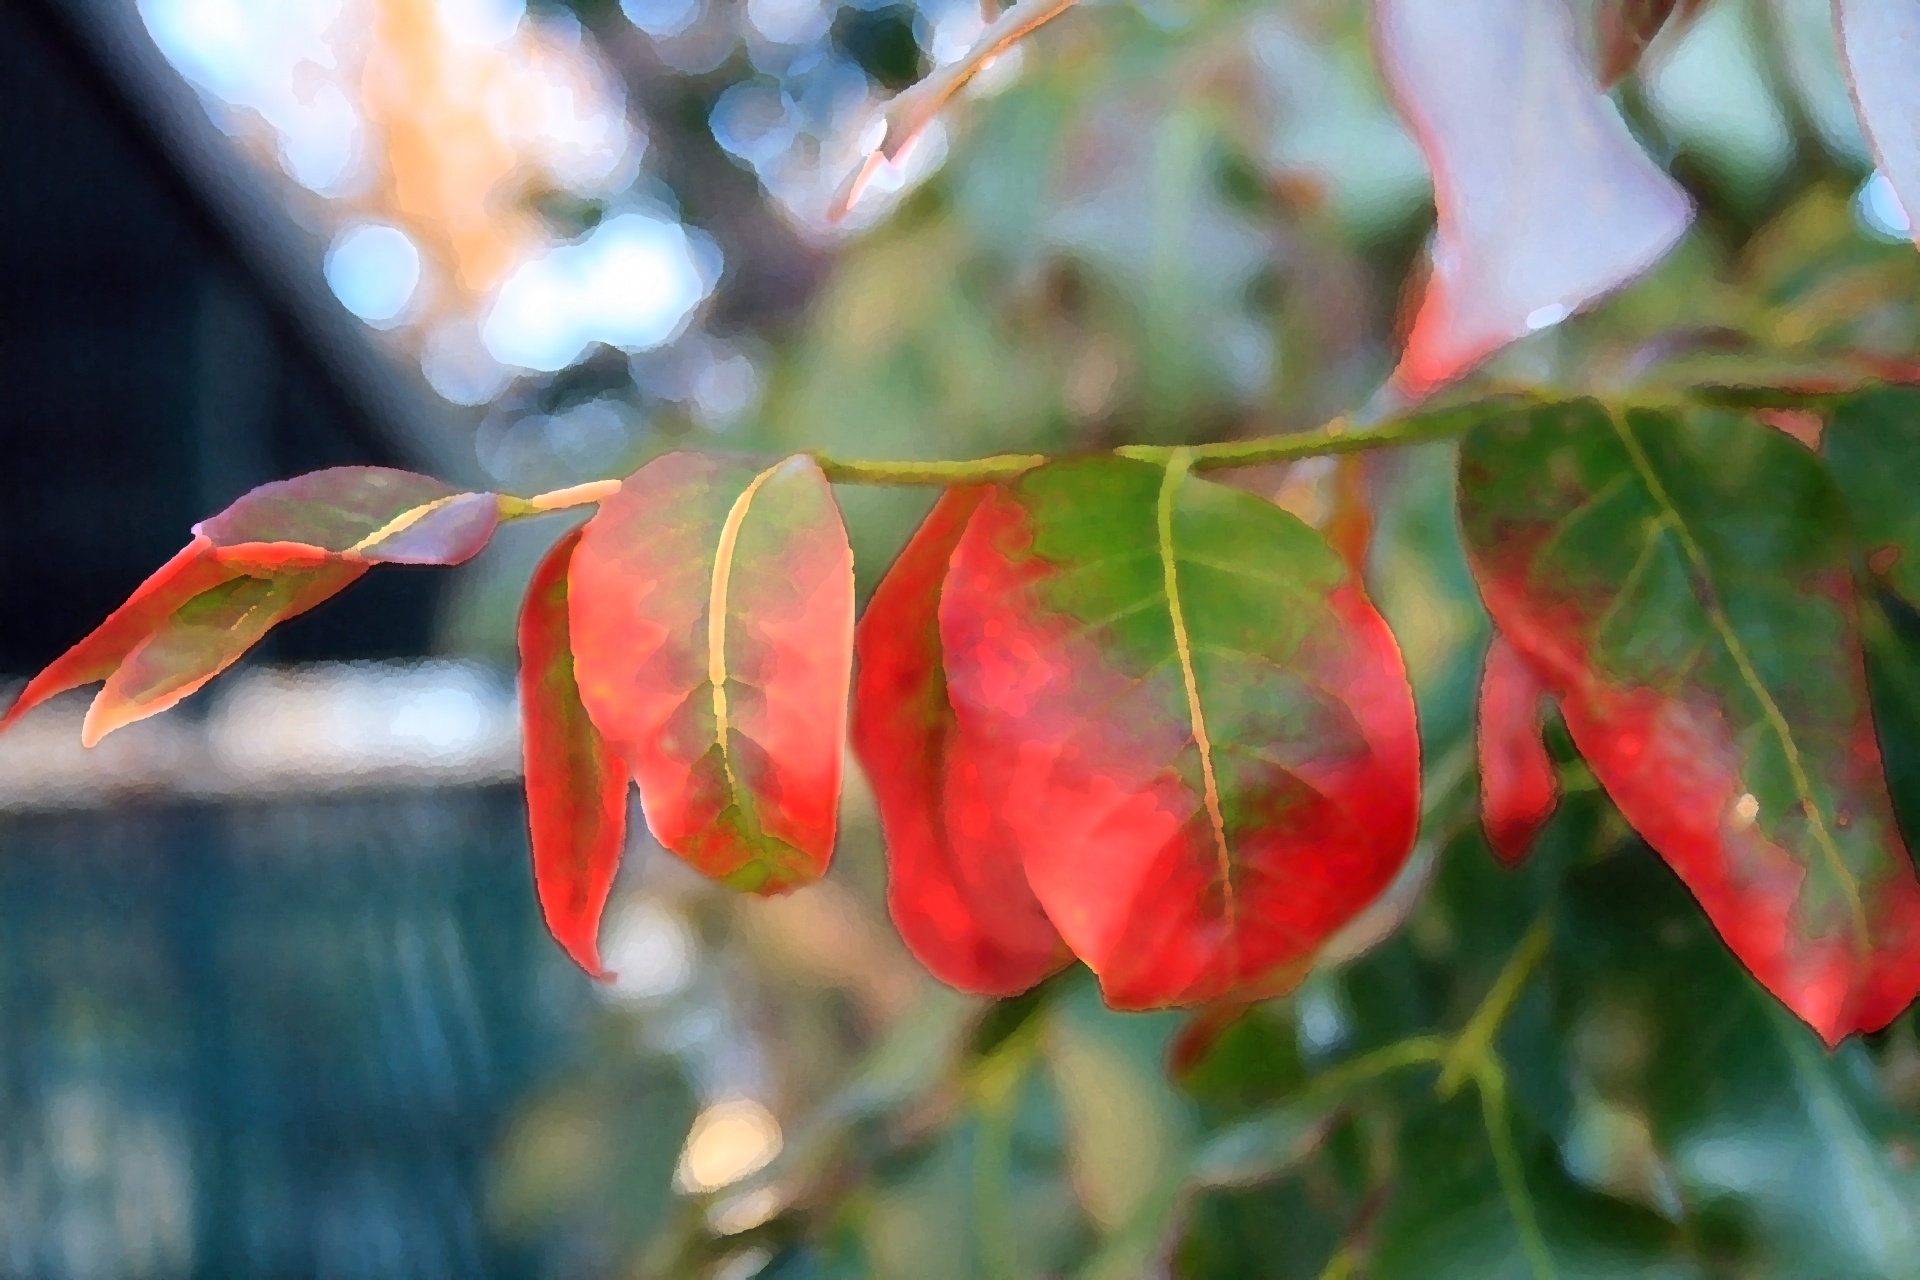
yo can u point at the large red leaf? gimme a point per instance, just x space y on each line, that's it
1545 201
1519 786
712 614
275 553
1201 733
1880 42
576 786
1681 583
957 891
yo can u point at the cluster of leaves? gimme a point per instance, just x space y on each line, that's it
1115 711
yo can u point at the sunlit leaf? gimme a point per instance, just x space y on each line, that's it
275 553
1872 444
576 787
712 615
1206 735
955 885
1880 42
1682 584
1518 785
1545 201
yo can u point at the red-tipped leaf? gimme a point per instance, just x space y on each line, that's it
1519 786
1201 732
955 886
712 616
576 786
1681 582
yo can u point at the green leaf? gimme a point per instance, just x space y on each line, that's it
1872 445
1789 1158
1451 1219
1682 582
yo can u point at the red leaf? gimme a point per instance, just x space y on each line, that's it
1880 42
1545 201
1519 786
955 886
712 615
275 553
1199 732
576 786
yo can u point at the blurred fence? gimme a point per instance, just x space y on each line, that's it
266 1034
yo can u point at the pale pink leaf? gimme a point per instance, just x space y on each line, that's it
1545 200
1880 42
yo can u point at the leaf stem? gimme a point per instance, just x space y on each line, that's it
1337 437
1491 1084
1472 1049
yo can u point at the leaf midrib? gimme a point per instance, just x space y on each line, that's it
1177 468
717 622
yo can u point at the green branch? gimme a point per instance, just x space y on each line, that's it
1337 437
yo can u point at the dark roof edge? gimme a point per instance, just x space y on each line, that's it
163 112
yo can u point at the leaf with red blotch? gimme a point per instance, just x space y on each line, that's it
1545 201
1624 29
1880 44
1202 734
1519 787
1681 582
712 615
955 886
576 786
275 553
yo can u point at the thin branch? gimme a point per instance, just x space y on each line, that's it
910 112
1473 1047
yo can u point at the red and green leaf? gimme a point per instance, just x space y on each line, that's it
955 886
712 615
275 553
1519 786
1681 583
576 786
1880 44
1199 731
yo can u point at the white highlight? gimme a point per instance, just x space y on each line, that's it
373 269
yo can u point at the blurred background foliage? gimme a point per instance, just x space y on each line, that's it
1160 220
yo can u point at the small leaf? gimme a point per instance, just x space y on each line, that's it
275 553
1203 731
209 633
1545 201
955 886
1626 27
576 787
712 616
373 513
1880 43
1872 444
1682 584
1519 786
